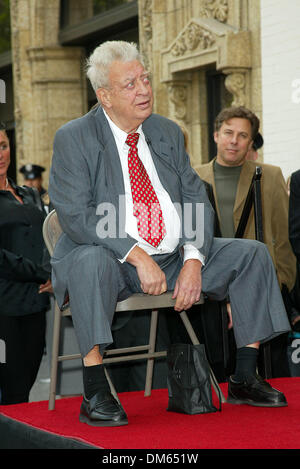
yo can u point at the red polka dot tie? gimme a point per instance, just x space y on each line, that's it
146 206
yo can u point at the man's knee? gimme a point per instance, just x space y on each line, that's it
91 259
255 253
252 246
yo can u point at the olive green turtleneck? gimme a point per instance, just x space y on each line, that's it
226 181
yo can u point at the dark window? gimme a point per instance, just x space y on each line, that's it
5 44
109 20
99 6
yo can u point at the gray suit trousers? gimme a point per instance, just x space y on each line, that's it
238 269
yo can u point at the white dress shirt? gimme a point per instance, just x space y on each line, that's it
170 215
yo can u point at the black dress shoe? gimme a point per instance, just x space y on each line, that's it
102 410
255 391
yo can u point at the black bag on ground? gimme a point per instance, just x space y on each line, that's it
189 384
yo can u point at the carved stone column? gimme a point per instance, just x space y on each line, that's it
58 95
192 37
178 96
145 31
237 84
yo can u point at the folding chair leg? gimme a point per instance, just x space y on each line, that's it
112 388
150 361
189 328
54 356
195 341
224 322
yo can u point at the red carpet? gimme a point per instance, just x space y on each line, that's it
152 427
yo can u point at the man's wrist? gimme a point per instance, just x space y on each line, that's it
193 261
136 256
190 252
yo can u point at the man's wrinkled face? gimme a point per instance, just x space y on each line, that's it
233 139
129 99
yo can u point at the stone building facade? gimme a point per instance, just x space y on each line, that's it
202 51
280 52
203 55
48 79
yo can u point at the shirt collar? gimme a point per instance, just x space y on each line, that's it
118 133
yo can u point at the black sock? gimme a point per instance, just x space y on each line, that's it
94 380
246 361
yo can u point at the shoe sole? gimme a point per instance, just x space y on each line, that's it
102 423
232 400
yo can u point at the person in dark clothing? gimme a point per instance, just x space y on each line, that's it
294 237
230 173
33 177
32 174
294 214
24 284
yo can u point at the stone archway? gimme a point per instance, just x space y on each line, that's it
183 40
203 43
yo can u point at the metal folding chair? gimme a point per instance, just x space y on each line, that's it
136 302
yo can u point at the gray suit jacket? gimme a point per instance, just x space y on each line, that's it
86 171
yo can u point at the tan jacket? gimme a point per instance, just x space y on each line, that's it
275 214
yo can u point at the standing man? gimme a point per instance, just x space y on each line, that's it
122 158
230 173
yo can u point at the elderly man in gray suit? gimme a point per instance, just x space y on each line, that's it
123 157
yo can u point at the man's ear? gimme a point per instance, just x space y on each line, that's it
216 134
103 96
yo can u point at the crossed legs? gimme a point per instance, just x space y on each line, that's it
240 270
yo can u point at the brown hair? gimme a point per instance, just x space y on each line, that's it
237 111
3 129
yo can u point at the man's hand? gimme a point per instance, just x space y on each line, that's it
152 278
188 285
46 287
230 323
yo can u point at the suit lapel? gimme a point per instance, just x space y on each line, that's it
113 169
210 178
161 153
242 189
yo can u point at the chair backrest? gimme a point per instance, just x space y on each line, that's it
51 231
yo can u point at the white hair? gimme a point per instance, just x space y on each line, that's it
97 67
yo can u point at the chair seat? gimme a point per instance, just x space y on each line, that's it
140 301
